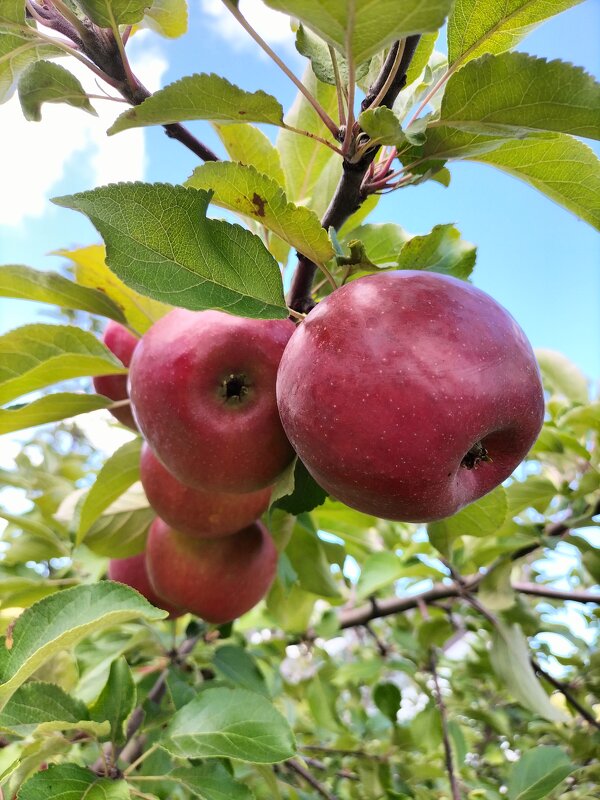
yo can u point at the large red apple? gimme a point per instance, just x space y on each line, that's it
202 386
122 343
132 572
410 394
193 511
216 579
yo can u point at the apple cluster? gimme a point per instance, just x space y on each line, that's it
406 394
202 391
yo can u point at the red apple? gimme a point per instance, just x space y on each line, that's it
216 579
132 572
193 511
122 343
202 386
410 394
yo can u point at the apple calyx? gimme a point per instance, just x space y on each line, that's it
476 455
234 388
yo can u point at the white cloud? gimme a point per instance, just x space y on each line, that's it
273 26
35 156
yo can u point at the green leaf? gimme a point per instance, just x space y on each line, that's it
311 169
230 723
355 24
563 168
306 493
36 703
421 57
308 557
46 82
119 472
72 782
167 17
534 492
50 408
238 666
510 659
242 189
387 698
92 271
35 356
514 93
582 419
382 241
60 621
485 26
383 126
122 529
559 166
379 570
160 242
561 377
538 772
208 97
442 250
210 782
249 145
18 49
26 283
116 701
110 13
553 440
313 47
495 590
290 609
482 518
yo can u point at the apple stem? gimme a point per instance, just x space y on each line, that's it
349 195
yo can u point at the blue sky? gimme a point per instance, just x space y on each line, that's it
534 257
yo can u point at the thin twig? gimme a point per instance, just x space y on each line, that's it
338 86
314 136
135 764
341 773
445 734
349 134
390 78
564 690
294 766
336 751
557 594
327 121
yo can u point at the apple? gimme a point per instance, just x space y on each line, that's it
409 394
122 343
216 579
193 511
132 572
202 384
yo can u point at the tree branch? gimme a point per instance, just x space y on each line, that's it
110 756
294 766
442 591
105 53
348 197
445 734
564 690
557 594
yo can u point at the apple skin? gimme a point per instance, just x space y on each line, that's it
390 382
122 343
132 572
202 384
194 512
216 579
